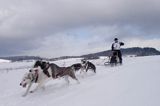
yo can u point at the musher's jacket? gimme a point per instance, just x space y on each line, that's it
117 45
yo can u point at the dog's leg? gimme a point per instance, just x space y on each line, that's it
29 86
41 84
78 82
87 67
83 72
73 76
66 79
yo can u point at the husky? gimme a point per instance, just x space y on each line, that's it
56 71
37 75
84 66
88 65
43 65
77 66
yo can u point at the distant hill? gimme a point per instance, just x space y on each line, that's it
136 51
141 51
64 57
21 58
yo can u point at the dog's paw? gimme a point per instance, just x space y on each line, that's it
31 91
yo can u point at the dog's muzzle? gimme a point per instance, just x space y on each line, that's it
23 85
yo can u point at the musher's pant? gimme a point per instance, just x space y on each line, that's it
119 55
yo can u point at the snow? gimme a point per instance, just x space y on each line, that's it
4 61
135 83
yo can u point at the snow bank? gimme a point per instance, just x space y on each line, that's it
4 61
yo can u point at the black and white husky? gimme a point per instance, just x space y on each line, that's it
37 75
88 65
84 66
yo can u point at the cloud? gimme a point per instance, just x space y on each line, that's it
40 27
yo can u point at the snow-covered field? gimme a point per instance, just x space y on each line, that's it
4 61
135 83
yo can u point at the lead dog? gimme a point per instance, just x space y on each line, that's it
36 75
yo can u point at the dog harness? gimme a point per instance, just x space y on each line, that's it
34 78
45 70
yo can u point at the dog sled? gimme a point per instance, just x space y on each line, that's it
113 60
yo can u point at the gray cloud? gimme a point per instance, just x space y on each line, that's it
40 27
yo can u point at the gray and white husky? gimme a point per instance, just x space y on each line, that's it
36 75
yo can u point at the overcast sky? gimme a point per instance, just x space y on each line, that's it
53 28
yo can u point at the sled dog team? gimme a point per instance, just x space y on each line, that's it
44 71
